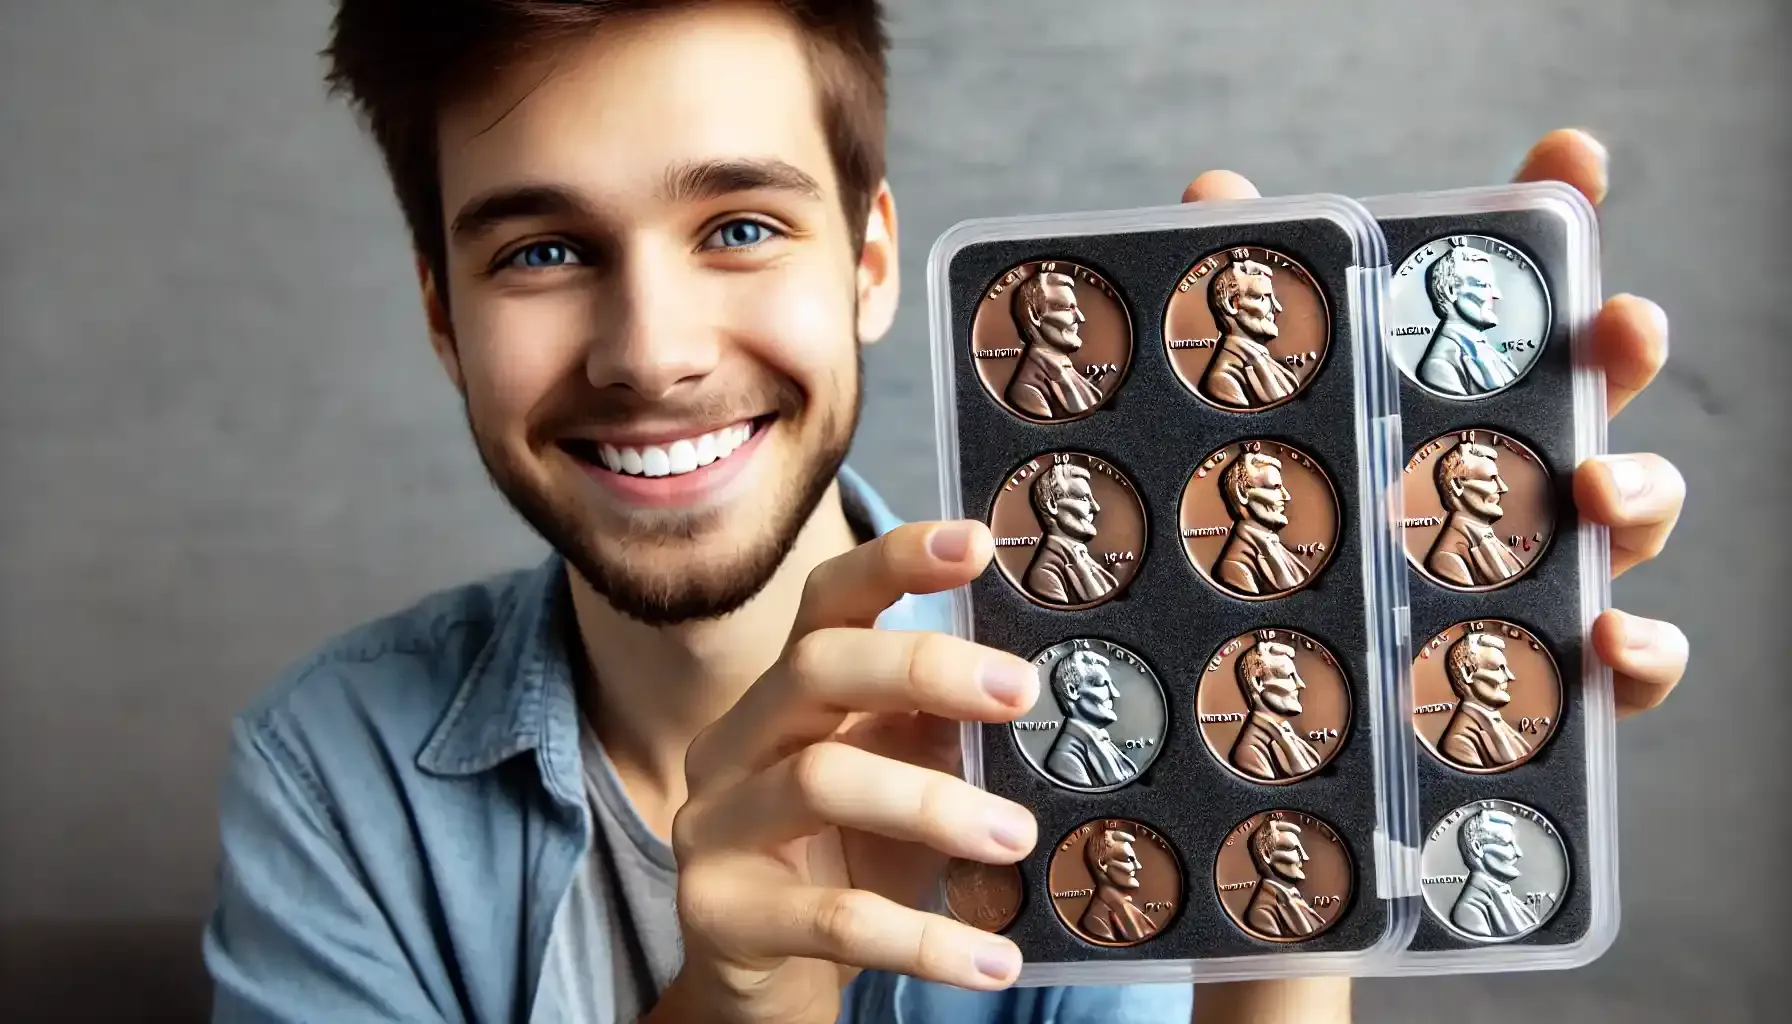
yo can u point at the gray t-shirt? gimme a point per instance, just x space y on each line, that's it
615 943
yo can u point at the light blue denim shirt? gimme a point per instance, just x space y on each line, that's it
402 812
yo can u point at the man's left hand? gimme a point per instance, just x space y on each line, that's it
1638 496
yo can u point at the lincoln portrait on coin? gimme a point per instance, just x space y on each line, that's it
1046 384
1254 560
1477 737
1243 373
1467 552
1487 907
1460 360
1268 747
1114 868
1277 908
1084 754
1063 571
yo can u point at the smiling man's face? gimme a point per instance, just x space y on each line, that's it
654 302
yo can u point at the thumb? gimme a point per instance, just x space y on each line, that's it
1216 185
853 588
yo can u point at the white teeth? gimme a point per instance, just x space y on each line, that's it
679 457
654 461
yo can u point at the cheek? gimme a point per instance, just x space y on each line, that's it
797 322
514 351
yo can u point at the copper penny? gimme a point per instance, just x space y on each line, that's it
1051 341
1273 705
986 896
1115 882
1069 530
1283 876
1247 329
1479 510
1486 696
1259 519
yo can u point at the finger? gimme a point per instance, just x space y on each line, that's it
1219 185
1630 343
832 673
1571 156
1639 497
854 588
760 921
841 785
1647 657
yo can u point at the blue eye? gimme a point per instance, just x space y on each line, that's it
738 234
543 255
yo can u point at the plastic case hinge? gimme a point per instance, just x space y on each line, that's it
1401 880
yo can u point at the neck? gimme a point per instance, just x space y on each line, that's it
1461 326
650 690
1241 338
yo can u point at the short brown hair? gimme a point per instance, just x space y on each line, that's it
400 61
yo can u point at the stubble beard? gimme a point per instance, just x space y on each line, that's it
693 584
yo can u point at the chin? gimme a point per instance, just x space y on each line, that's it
666 550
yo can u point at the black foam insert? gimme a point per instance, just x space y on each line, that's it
1155 431
1538 410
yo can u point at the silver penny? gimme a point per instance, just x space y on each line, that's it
1494 871
1100 718
1467 316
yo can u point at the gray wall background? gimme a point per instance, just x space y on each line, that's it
224 437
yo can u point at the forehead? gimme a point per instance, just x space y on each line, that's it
609 112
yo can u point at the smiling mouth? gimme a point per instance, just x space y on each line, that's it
669 458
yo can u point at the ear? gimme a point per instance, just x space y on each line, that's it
879 276
441 328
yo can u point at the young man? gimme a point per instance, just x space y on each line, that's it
699 765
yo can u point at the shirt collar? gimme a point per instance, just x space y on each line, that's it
519 695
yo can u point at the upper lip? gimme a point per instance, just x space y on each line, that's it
641 437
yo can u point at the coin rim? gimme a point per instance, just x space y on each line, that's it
1182 890
1313 575
1561 706
1144 533
1350 873
1555 529
1132 348
1344 735
1325 309
1163 702
1549 317
1543 920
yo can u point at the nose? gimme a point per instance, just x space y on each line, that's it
654 338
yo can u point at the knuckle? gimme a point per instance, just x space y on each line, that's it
687 829
703 905
845 918
810 771
810 661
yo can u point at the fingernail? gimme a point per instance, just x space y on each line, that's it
1628 476
1639 634
1009 828
998 960
1594 144
951 542
1005 680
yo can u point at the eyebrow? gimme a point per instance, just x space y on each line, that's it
710 179
515 203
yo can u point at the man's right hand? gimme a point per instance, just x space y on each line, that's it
823 805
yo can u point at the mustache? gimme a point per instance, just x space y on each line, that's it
618 407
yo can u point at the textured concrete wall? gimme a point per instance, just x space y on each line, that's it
224 436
